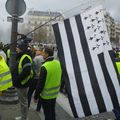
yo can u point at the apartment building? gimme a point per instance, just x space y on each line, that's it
41 18
113 28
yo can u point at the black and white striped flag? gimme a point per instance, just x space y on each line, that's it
85 52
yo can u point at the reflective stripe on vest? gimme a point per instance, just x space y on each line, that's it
5 82
53 79
20 68
51 91
5 75
8 78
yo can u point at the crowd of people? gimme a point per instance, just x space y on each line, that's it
36 72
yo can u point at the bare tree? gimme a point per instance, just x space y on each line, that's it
40 35
24 29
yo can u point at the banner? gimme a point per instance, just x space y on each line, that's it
85 52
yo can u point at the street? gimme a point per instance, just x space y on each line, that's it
9 112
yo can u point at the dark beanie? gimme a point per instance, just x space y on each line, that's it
23 46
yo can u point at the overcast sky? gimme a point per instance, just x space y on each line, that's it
113 6
73 6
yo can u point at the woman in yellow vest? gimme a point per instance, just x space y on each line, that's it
5 75
49 84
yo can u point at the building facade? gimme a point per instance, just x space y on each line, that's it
45 33
44 21
113 28
117 31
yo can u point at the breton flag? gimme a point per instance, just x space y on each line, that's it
85 52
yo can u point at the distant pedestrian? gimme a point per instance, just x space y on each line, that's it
23 77
37 62
49 84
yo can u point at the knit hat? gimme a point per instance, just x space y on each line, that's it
23 45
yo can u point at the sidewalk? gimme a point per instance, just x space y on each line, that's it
63 105
9 112
63 112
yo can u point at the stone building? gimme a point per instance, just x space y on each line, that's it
35 19
45 33
113 28
117 31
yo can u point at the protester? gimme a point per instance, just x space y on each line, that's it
4 69
2 52
5 75
49 84
37 62
117 110
23 77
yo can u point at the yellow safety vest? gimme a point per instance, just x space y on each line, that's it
5 75
118 67
53 80
8 53
20 68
